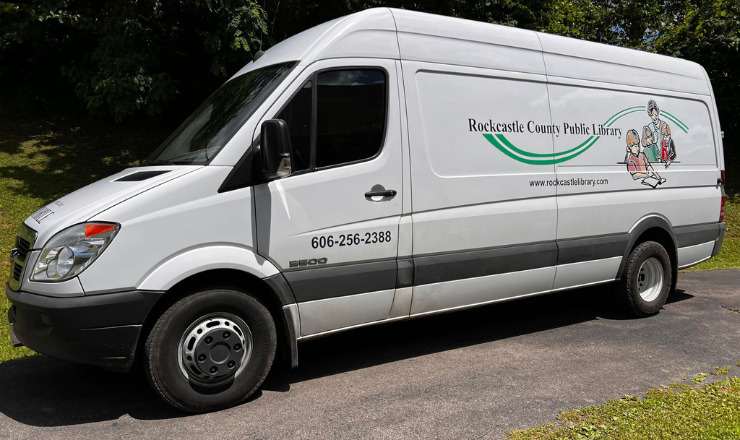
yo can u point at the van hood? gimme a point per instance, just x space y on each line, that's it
97 197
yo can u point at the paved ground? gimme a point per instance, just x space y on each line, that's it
473 374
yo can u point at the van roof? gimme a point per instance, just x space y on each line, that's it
417 36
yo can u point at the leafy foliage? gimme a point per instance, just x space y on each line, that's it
292 17
710 35
129 57
582 19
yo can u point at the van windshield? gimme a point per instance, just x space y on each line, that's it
213 124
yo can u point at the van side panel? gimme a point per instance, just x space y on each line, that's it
467 194
607 115
584 215
607 189
471 292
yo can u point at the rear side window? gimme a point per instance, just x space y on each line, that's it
349 121
351 107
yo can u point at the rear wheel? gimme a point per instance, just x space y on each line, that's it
210 350
646 280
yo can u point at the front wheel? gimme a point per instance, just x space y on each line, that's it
646 280
210 350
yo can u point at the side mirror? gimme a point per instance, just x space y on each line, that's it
275 149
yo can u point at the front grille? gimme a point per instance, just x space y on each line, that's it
23 244
23 247
17 270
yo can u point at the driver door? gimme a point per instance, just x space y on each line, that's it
332 225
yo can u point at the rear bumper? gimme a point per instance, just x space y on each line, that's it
98 329
720 239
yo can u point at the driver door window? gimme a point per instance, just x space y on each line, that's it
338 117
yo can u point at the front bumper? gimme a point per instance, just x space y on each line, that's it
98 329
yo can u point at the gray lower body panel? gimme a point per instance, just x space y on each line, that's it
457 266
720 239
322 293
332 282
697 234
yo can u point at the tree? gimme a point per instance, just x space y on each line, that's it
583 19
636 24
291 17
125 58
709 34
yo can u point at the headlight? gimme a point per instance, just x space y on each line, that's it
71 251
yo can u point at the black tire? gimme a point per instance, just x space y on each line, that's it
161 352
627 290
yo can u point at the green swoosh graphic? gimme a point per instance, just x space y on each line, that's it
611 120
509 153
505 146
506 142
641 109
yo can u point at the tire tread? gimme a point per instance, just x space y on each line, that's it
626 295
149 367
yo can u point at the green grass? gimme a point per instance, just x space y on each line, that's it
43 158
729 256
677 412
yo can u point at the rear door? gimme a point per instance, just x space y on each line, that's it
334 240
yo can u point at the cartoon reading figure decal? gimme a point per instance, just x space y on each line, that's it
667 148
652 134
657 147
638 164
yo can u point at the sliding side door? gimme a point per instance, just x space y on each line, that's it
483 191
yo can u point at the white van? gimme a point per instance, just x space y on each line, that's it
379 167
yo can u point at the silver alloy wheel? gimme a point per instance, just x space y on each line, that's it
650 279
215 349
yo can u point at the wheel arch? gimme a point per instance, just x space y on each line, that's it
274 293
653 228
201 258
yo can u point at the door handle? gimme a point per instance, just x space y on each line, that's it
381 193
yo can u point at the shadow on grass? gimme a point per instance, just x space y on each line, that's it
44 392
52 156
